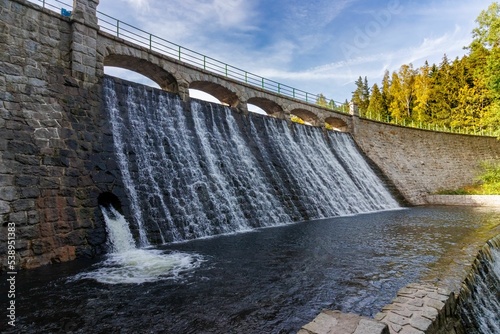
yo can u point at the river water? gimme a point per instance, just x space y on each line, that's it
269 280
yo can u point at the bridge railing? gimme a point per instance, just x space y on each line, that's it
163 46
54 5
154 43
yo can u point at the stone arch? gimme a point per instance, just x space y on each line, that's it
107 199
163 78
337 124
306 115
223 94
270 107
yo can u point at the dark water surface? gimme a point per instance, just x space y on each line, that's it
271 280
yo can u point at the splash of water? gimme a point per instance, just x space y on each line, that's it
127 264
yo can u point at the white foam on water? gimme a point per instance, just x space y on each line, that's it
141 266
127 264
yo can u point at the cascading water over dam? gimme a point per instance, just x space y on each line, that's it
208 171
481 310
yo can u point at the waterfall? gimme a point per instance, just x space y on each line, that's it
481 310
120 238
203 170
126 264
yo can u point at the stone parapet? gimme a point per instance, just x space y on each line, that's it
336 322
421 308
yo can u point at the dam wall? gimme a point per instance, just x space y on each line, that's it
57 159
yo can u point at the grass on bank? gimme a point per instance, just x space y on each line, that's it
488 182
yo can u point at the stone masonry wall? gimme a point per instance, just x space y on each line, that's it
420 162
55 146
56 150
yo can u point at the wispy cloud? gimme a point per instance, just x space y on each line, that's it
300 42
140 5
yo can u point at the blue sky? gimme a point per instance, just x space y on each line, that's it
320 46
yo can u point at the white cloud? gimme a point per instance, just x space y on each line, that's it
298 42
141 5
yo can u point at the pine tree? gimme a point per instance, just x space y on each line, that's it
361 96
376 107
439 104
386 96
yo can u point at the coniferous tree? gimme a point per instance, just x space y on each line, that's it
386 96
361 96
376 107
439 104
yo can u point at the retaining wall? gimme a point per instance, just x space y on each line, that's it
422 162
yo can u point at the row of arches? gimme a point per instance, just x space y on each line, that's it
146 72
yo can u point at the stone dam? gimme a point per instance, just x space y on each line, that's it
58 162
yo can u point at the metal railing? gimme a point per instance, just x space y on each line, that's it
157 44
154 43
471 130
54 5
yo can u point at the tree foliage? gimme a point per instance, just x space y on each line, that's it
462 93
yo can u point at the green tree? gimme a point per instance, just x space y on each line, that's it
485 55
403 92
396 106
423 88
386 95
321 101
361 96
439 104
488 31
407 76
376 107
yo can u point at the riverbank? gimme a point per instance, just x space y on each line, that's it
431 305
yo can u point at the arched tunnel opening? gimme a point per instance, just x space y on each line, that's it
108 199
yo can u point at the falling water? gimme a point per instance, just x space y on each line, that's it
201 170
481 312
127 264
120 238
